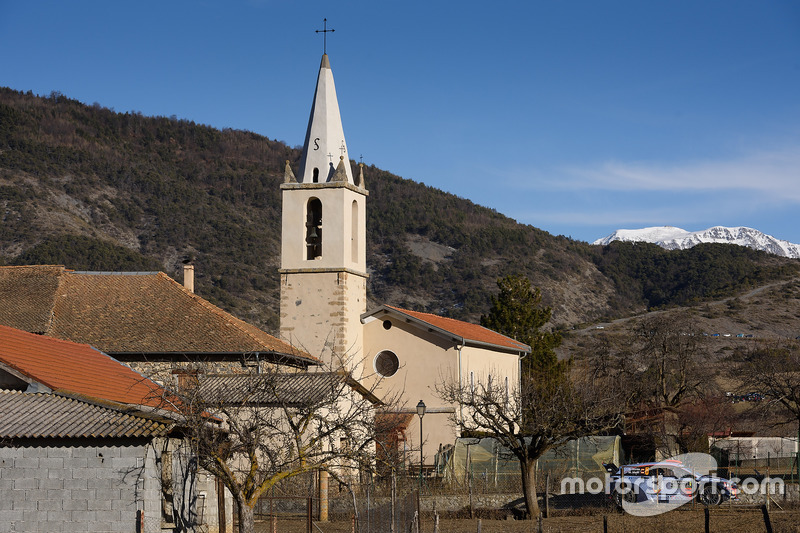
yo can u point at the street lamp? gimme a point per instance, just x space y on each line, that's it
421 413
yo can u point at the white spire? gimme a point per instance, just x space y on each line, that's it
325 145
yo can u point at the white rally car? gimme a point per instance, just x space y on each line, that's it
666 482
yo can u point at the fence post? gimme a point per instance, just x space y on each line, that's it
469 483
309 511
768 483
708 519
435 521
393 502
547 495
480 525
221 518
323 496
767 522
605 523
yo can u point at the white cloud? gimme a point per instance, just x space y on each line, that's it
622 216
770 174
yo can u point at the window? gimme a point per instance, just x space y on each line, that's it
315 177
386 363
313 229
354 233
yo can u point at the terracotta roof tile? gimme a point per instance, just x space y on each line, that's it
75 368
469 332
127 313
26 296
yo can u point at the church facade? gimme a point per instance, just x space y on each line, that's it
404 354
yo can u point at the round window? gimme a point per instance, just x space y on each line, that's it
386 363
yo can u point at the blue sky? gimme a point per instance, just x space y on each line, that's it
577 117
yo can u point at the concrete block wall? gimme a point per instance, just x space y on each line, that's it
66 489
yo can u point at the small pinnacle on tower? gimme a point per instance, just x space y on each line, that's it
361 183
288 175
341 173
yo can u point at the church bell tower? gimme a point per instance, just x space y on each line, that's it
323 239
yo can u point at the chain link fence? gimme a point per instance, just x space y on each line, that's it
474 479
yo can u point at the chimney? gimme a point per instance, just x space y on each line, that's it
188 277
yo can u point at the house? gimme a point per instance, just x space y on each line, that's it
86 443
323 306
145 319
414 352
149 322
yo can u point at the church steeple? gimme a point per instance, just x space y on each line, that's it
324 146
323 239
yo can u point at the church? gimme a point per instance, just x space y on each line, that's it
404 354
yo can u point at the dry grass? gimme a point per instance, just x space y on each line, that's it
721 520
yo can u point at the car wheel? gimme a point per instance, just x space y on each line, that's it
708 496
623 494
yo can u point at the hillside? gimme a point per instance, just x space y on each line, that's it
94 189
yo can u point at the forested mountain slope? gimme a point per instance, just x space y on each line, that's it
93 189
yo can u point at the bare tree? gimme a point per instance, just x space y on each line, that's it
701 417
668 353
660 367
547 410
253 431
772 369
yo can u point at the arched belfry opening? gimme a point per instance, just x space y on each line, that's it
315 177
313 228
354 232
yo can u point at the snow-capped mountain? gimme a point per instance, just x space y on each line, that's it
673 238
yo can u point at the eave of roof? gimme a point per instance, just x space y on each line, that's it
50 415
457 331
297 361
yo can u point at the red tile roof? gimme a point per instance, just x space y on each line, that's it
77 369
127 313
468 333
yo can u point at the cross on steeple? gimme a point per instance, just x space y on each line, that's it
325 35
